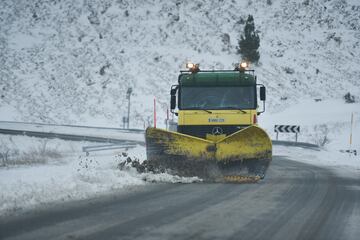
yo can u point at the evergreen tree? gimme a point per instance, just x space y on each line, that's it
249 43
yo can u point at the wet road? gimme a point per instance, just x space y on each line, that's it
295 201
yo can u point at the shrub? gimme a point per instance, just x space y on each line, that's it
249 43
349 98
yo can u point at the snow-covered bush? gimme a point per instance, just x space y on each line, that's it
4 154
321 133
37 153
349 98
289 70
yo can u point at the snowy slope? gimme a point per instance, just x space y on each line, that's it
72 61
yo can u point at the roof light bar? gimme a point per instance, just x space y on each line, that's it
244 65
194 68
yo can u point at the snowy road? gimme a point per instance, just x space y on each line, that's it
295 201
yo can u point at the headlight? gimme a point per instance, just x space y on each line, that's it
244 65
190 65
194 68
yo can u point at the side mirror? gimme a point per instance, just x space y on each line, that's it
173 98
262 93
173 91
172 102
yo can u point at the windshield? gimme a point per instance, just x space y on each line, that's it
237 97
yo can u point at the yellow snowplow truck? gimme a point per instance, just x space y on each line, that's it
217 137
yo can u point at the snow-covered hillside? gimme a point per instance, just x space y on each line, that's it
72 61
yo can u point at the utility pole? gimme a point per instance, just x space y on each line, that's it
128 94
154 112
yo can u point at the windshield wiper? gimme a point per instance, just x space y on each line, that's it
208 111
205 110
234 108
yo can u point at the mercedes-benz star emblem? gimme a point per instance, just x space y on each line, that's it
217 131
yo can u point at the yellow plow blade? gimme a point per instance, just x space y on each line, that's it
182 154
247 153
241 157
248 143
160 142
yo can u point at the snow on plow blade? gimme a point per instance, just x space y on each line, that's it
243 156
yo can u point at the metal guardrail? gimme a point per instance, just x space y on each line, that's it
63 136
96 148
74 137
76 126
295 144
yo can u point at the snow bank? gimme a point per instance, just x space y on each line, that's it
326 123
343 164
76 177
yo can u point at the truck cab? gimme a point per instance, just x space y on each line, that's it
218 102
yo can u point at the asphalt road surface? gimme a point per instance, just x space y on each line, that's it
294 201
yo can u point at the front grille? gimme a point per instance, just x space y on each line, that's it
201 131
